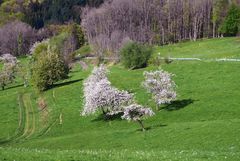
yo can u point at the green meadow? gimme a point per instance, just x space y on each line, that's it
202 124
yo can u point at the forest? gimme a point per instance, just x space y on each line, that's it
107 25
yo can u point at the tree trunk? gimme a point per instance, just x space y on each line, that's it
103 111
141 124
214 29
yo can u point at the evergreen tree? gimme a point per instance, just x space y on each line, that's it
60 11
219 12
231 25
34 14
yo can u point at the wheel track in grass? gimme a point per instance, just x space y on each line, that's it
30 117
27 120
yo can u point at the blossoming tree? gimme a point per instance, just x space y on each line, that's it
137 113
161 86
7 74
99 94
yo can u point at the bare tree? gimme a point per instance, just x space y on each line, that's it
152 21
16 38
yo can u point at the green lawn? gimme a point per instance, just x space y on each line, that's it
203 124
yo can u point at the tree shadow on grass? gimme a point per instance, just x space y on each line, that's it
179 104
65 83
153 127
3 142
16 86
106 118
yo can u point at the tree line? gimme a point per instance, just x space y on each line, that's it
159 21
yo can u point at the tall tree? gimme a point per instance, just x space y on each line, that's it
231 25
34 15
220 8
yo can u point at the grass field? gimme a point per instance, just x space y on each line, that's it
202 124
206 48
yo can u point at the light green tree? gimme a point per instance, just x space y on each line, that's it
47 66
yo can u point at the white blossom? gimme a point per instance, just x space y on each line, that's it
136 112
8 58
99 94
161 86
7 74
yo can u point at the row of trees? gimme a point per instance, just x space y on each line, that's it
159 21
100 95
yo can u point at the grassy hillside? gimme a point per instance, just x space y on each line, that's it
203 124
206 48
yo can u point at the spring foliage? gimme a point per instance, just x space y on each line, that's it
135 55
136 112
8 73
99 94
47 66
231 25
161 86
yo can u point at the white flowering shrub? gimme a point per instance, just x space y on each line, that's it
7 74
137 113
8 58
161 86
99 94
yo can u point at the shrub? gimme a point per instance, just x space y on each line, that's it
155 60
3 79
47 66
65 44
167 60
135 55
